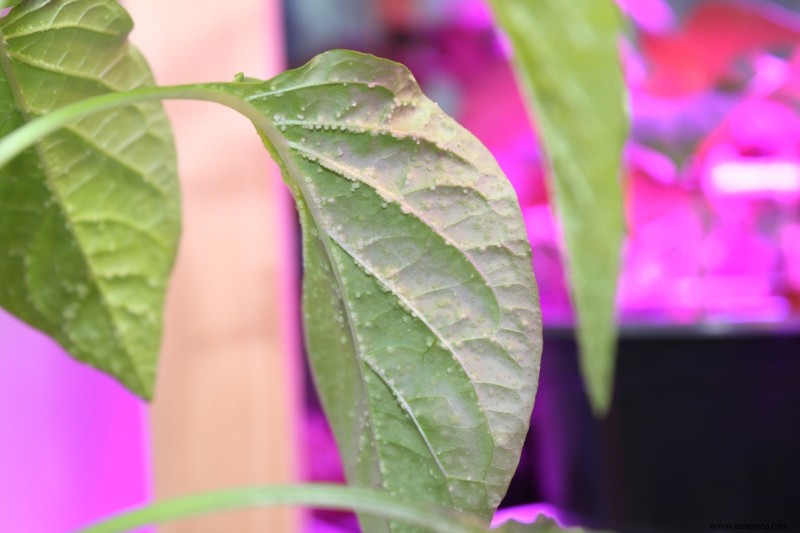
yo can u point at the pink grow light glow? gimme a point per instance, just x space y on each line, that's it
75 447
527 514
756 176
652 15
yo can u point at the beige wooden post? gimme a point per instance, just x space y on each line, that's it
225 412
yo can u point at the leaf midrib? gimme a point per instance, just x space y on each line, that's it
386 195
404 406
351 174
283 154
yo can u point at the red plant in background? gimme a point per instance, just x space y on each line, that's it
710 42
719 95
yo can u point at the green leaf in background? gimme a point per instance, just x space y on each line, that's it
541 525
566 56
89 217
421 310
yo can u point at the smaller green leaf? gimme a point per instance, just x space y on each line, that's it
89 217
566 55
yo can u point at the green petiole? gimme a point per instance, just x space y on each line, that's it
317 495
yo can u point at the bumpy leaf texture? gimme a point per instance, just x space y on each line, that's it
566 56
421 310
89 217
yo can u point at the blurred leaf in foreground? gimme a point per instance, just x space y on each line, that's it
567 58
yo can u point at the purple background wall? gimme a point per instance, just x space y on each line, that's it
72 442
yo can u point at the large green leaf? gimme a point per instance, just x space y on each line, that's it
89 217
421 310
566 55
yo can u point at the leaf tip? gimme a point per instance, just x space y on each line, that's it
598 373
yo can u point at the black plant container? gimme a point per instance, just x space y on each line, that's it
704 429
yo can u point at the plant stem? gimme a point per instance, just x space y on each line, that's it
315 495
26 136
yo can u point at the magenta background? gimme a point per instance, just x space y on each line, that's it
73 444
